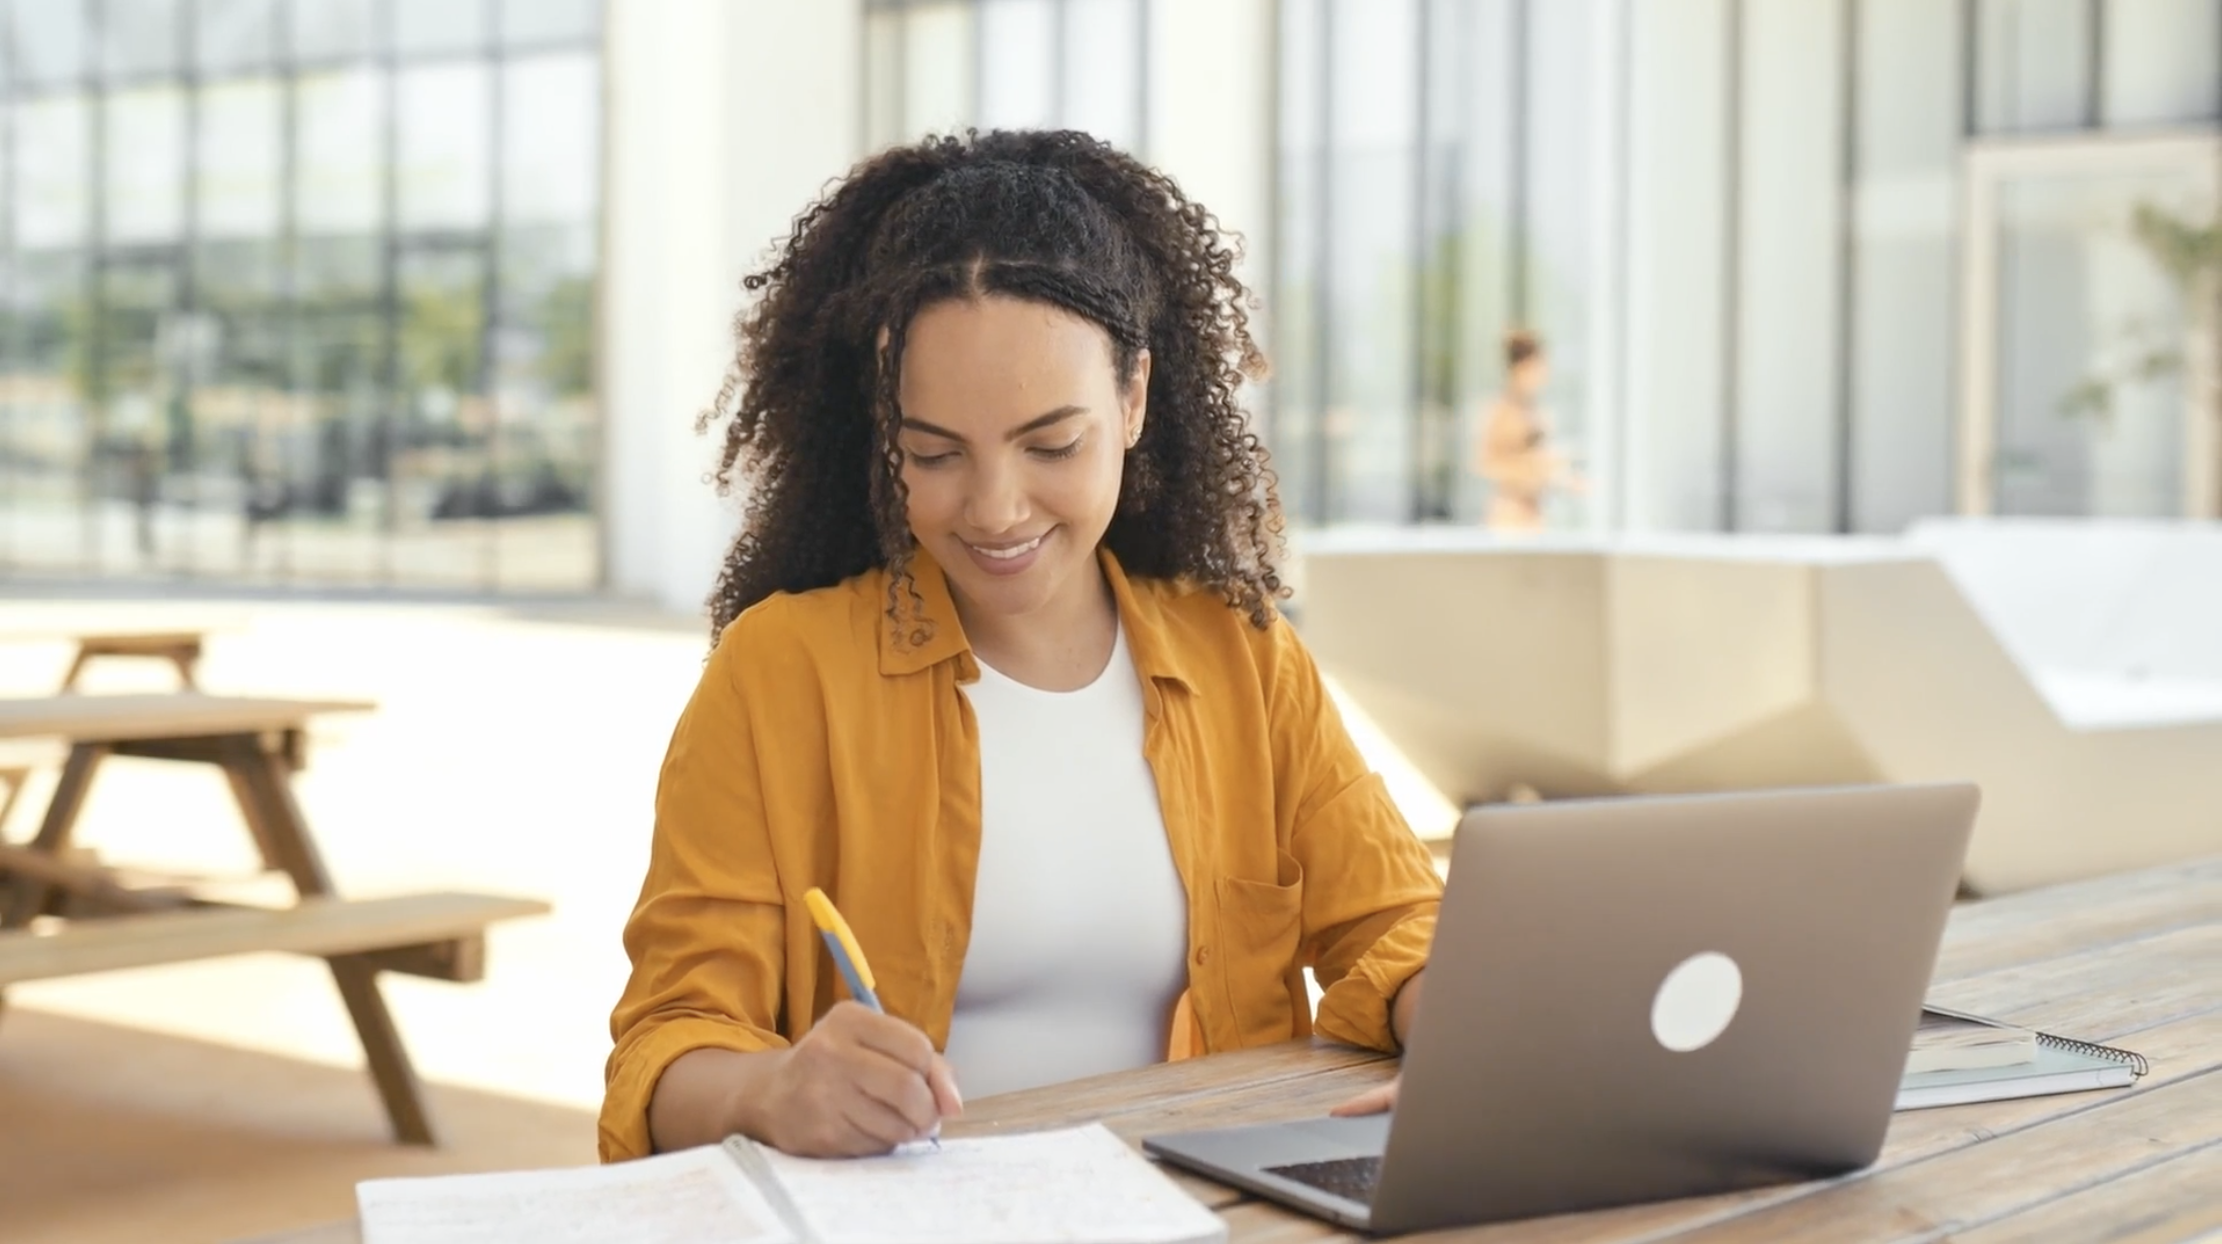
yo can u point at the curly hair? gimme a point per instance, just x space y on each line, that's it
1053 216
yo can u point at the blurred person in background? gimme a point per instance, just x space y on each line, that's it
1514 452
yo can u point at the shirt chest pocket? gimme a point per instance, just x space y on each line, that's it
1260 927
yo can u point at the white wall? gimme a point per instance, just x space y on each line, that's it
710 159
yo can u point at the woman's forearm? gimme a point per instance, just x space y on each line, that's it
1405 1005
708 1094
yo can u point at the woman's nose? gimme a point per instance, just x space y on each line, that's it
996 502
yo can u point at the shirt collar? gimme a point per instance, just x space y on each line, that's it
1156 650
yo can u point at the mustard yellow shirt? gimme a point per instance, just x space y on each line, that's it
821 749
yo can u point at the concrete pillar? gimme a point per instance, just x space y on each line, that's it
725 119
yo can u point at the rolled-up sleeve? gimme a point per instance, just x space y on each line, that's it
707 936
1371 891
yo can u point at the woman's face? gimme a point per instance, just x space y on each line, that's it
1014 433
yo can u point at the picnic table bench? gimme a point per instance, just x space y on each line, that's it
61 917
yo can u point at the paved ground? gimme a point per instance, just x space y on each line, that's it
515 749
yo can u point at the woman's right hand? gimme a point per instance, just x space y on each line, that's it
858 1083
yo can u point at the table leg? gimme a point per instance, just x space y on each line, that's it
187 658
24 896
265 791
28 898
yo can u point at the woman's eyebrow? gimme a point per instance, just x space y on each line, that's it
1035 424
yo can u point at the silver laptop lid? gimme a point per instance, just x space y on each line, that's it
1634 999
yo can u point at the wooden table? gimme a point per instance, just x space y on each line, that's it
2134 959
258 744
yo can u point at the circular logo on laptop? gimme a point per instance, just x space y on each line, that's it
1696 1001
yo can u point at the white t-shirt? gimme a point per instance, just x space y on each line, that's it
1079 920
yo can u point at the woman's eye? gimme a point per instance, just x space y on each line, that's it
929 460
1066 450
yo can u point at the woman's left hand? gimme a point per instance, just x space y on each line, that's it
1376 1100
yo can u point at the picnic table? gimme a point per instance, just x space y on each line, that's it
179 645
178 641
61 917
2133 959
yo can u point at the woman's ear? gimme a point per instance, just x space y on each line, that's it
1136 400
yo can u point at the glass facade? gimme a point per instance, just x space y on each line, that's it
1735 226
300 290
938 66
1437 189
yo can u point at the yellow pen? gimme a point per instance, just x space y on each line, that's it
849 957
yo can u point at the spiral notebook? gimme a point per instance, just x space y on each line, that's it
2058 1065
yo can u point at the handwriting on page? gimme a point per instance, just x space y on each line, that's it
1076 1186
695 1196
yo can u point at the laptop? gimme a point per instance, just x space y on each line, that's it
1636 999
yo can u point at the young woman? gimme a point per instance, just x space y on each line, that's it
998 668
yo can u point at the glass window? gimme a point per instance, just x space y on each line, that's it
241 140
551 121
337 470
50 38
1102 70
339 133
1476 53
443 163
534 23
2095 313
53 153
48 377
1789 246
144 190
1677 177
548 438
139 436
243 371
2163 62
938 66
332 29
336 271
443 465
2034 64
1445 367
1557 222
438 27
1018 68
143 38
234 36
1903 257
1300 359
1373 139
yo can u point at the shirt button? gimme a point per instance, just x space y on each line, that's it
1203 955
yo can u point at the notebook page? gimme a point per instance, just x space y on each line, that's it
1073 1186
695 1196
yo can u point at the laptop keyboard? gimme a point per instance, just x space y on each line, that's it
1350 1178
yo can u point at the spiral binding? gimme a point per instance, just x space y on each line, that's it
2136 1062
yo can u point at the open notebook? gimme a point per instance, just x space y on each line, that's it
1072 1186
2054 1065
1953 1041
